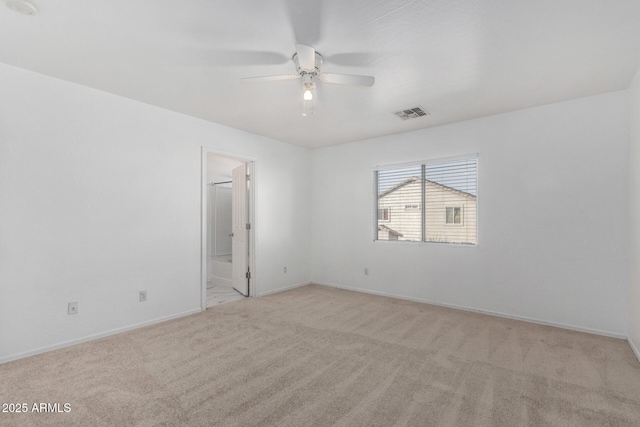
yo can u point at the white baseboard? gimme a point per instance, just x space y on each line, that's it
478 310
95 336
284 288
634 348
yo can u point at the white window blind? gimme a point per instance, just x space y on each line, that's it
436 201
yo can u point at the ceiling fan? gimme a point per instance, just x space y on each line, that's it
308 64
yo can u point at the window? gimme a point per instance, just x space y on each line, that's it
435 201
453 215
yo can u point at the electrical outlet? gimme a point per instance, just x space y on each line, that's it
143 296
366 271
72 308
284 270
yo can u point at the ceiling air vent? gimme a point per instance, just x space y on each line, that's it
411 113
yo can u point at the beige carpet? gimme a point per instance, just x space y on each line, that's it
318 356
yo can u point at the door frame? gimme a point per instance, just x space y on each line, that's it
253 189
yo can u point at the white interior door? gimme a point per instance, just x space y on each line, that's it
240 241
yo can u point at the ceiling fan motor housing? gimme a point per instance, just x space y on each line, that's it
315 71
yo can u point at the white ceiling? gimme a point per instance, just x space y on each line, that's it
459 59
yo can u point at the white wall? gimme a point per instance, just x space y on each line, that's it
100 198
634 214
552 210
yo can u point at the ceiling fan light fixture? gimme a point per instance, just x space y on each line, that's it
308 94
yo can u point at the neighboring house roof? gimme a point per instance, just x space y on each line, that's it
416 179
390 230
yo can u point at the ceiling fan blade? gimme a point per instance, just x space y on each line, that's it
347 79
306 57
271 78
305 18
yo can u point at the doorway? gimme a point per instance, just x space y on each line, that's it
227 213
